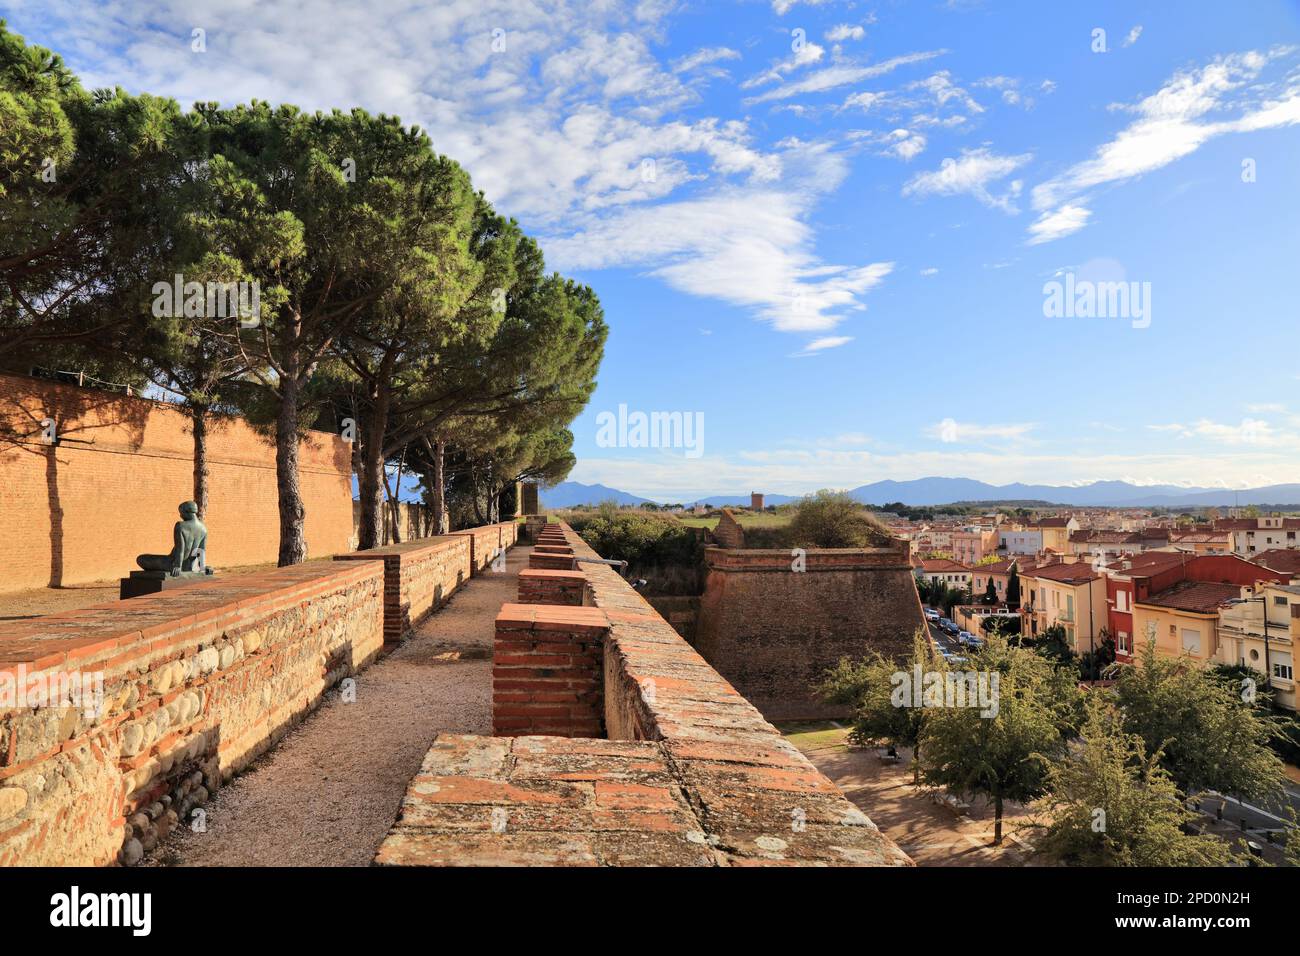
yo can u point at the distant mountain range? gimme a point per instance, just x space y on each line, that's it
942 491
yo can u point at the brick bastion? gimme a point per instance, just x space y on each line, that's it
773 621
617 744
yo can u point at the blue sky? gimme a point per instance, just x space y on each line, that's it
826 227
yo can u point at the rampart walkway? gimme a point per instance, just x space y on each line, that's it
327 794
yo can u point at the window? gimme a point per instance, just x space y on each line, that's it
1121 600
1191 641
1282 667
1121 642
1279 600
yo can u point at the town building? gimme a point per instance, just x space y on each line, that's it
1261 633
1070 594
1254 535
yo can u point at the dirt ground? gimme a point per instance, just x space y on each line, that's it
329 791
930 834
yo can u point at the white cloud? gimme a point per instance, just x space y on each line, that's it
844 31
1249 431
1175 121
950 431
704 57
828 342
841 75
805 54
1058 223
971 173
931 271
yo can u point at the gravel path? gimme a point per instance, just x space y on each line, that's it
329 791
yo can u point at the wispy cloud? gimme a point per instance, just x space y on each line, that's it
971 173
839 75
1193 107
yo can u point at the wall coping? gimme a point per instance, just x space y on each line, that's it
815 559
44 642
432 543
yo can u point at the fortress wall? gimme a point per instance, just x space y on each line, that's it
691 774
81 510
197 683
774 631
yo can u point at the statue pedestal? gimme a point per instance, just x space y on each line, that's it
151 582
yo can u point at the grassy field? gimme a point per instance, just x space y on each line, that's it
764 520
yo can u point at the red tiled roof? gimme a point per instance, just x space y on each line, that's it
1195 596
1053 522
1075 573
1285 560
936 565
1148 564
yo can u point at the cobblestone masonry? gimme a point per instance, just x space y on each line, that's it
419 577
197 683
693 774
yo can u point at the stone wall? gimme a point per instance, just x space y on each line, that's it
692 775
774 631
727 532
81 510
419 577
197 683
489 540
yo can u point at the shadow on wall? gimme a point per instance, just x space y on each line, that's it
31 408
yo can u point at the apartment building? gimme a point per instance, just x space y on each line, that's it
1070 594
1261 633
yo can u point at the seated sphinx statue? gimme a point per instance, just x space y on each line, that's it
189 542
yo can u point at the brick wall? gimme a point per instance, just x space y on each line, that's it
728 533
197 683
692 775
538 586
546 671
774 631
419 577
82 510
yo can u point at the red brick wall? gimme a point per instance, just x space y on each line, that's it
537 586
485 541
198 682
82 510
546 671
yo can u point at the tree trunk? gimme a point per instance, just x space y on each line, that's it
997 820
293 542
439 489
370 480
199 419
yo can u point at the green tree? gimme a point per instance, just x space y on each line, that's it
1113 804
1001 757
1207 735
990 593
1013 588
78 175
868 687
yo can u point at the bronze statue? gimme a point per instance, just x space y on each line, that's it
190 540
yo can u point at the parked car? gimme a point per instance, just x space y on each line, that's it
964 638
931 614
948 627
